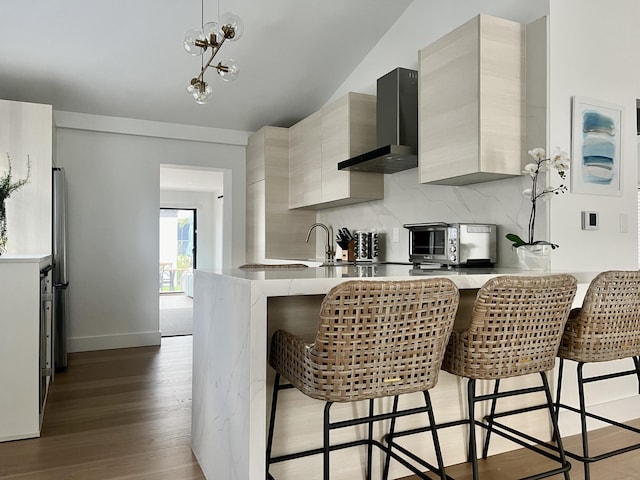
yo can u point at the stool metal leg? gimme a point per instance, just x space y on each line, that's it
370 442
272 421
392 427
472 454
434 435
558 394
325 447
554 423
583 421
494 401
636 361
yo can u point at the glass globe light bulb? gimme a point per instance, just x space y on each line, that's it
232 70
189 42
202 95
191 86
211 28
231 26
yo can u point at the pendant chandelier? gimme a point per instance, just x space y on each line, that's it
210 37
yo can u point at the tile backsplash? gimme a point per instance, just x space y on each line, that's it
407 201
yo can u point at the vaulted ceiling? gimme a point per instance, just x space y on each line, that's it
124 58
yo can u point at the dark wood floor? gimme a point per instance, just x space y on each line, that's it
522 463
114 414
126 414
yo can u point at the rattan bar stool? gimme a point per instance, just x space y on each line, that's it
375 339
515 330
606 328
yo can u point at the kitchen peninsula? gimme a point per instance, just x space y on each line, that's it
235 314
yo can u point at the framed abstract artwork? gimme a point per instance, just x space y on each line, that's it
596 147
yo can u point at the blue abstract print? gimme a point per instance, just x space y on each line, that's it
598 148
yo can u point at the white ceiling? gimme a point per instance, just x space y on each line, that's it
124 58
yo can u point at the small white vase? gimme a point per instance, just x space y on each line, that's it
534 257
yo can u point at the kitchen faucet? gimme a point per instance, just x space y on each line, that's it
329 251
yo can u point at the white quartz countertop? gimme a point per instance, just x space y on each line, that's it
315 280
25 258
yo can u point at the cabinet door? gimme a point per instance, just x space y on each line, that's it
273 231
26 129
471 103
335 148
305 162
349 129
255 243
256 156
448 105
339 131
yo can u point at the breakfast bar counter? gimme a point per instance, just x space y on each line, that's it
235 314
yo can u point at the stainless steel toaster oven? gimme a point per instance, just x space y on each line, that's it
452 244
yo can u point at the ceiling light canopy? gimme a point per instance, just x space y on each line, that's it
210 38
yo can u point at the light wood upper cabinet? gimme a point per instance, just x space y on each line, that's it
349 129
26 130
273 231
342 129
471 103
305 162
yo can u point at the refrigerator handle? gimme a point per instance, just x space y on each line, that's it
46 270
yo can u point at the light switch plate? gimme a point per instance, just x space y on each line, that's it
624 223
590 221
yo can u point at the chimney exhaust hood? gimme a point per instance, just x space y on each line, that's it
396 126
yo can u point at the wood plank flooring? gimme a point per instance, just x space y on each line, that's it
126 414
114 414
521 463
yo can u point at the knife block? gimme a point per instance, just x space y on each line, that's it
349 254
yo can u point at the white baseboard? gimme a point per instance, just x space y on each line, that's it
620 410
108 342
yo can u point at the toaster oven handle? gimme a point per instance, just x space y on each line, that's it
409 226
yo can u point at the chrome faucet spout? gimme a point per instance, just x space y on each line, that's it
329 250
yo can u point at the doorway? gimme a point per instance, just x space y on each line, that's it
178 247
200 190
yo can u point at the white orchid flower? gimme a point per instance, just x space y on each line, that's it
531 169
538 153
559 155
560 160
561 165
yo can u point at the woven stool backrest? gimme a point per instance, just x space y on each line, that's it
607 327
515 327
381 338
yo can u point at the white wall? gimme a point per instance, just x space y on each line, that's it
114 196
203 202
405 200
593 55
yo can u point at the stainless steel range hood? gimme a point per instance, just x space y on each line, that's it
396 126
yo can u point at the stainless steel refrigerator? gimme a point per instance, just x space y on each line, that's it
60 278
